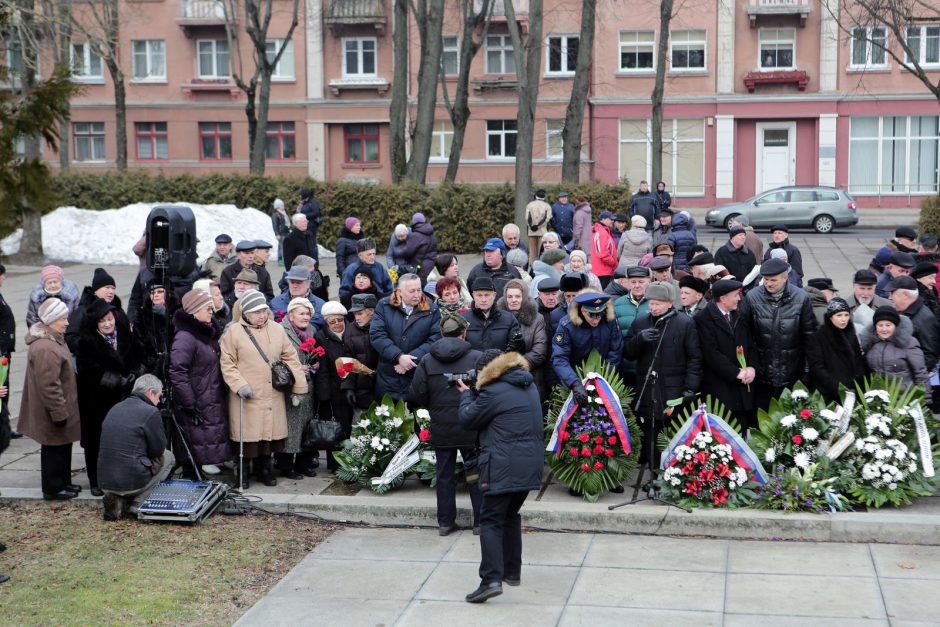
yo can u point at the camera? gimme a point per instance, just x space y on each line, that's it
469 378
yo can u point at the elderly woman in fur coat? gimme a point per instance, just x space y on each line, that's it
516 300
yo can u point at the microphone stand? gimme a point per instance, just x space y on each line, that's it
649 432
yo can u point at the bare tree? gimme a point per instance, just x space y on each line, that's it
429 16
58 15
665 19
255 81
398 108
862 19
475 27
528 57
574 115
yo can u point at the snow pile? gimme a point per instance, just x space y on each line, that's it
106 237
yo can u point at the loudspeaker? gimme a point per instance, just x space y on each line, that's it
171 240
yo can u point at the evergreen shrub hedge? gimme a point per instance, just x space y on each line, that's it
930 215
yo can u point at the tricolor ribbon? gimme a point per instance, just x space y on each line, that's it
611 403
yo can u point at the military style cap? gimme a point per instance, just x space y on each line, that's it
592 301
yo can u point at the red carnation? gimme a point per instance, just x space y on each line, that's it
585 452
612 440
348 367
564 435
797 439
599 439
598 449
424 435
598 466
574 452
806 414
609 452
585 468
584 437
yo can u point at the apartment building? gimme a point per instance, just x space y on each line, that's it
758 94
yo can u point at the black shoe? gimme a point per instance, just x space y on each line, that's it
446 531
64 495
617 489
476 530
73 487
484 592
512 581
96 491
15 435
315 463
307 472
292 474
4 578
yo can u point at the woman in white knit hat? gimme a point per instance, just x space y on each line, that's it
248 377
49 411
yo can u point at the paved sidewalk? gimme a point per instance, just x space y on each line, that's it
415 578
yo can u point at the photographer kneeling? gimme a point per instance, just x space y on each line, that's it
506 410
133 456
434 386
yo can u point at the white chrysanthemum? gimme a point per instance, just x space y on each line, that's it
423 414
911 467
892 486
869 472
879 394
798 395
770 455
810 434
801 460
385 441
788 421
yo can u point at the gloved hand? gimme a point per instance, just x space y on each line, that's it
127 382
649 336
516 343
688 397
295 400
245 391
580 394
350 397
192 415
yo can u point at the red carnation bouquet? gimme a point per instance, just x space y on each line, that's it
311 351
346 366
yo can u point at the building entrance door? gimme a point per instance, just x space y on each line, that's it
776 155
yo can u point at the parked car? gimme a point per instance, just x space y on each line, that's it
821 208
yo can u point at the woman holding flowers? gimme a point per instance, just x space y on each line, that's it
835 357
330 396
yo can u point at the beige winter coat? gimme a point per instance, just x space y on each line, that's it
265 415
49 409
537 214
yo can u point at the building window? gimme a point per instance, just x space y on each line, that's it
283 69
279 142
86 64
636 50
562 57
362 143
924 42
213 58
868 47
500 139
215 140
152 141
893 154
359 58
441 140
450 57
683 153
688 50
149 59
777 48
499 59
553 143
89 141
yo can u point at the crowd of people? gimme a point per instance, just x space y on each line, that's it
680 322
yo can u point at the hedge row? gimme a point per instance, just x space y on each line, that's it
930 215
463 215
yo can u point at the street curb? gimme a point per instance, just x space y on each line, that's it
889 526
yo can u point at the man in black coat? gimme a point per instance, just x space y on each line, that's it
780 235
735 256
300 241
245 252
506 411
435 389
133 457
311 209
494 266
782 321
721 330
490 326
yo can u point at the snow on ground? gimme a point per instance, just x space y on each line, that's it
106 237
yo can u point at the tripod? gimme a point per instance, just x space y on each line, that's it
649 430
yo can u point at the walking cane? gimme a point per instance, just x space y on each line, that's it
241 442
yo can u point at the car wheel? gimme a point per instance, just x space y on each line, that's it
823 223
729 220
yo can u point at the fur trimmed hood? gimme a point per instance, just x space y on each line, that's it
40 331
500 366
574 309
526 315
902 338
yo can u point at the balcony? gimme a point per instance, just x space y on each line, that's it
781 77
494 84
778 8
376 84
355 13
203 85
201 13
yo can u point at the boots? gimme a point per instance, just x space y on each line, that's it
113 507
266 471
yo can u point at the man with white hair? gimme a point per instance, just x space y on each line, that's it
513 239
906 300
399 236
299 241
281 225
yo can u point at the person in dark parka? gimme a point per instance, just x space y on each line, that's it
735 255
431 389
108 359
506 412
346 244
153 332
404 327
198 390
420 249
331 399
590 324
834 355
721 330
359 389
490 326
103 287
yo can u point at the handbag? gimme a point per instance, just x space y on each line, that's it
282 377
321 434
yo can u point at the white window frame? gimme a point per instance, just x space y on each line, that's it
870 47
776 41
689 45
551 132
442 139
91 131
507 62
153 49
453 49
501 133
903 189
283 69
636 47
922 47
565 41
81 72
360 57
215 52
671 146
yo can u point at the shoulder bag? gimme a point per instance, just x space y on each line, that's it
282 378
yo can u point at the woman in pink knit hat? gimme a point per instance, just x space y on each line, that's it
52 283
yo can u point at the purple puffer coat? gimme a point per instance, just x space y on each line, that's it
197 382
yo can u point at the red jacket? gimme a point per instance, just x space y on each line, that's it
603 251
